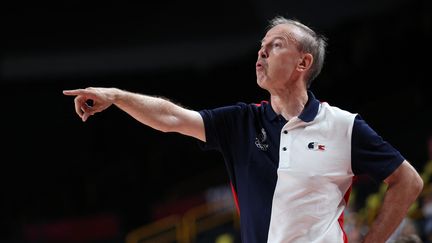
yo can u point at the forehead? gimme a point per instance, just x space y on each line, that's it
283 30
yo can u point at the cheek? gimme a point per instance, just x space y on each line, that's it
284 60
281 68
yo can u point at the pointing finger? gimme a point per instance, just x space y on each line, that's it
73 92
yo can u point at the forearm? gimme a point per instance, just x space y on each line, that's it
155 112
393 210
397 200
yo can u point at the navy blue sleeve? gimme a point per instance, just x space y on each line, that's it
370 154
224 132
221 125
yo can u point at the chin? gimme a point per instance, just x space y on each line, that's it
261 83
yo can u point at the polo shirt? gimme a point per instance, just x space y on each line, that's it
291 179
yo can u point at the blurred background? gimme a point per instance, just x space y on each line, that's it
62 180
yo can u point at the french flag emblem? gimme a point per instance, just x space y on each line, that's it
316 146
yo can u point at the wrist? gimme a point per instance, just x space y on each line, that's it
115 95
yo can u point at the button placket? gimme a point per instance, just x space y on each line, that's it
284 148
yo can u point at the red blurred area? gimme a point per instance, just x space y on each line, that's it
83 229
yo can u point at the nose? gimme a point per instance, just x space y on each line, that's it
262 53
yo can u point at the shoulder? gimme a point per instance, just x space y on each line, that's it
336 114
336 110
239 109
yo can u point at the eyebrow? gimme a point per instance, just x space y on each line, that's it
273 38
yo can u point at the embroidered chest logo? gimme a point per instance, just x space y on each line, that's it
316 146
260 140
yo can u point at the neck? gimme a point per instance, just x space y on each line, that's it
289 102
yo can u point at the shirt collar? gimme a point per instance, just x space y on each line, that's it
307 115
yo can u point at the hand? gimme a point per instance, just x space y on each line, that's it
91 100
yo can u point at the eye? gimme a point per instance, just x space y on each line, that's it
277 44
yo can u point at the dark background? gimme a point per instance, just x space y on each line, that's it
200 54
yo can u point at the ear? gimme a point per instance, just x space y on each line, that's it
305 62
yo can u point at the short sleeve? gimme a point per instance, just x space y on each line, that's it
221 125
210 133
370 154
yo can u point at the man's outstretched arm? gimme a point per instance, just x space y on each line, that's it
158 113
404 186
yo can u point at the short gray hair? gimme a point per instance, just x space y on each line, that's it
311 42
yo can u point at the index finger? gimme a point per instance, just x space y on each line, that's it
73 92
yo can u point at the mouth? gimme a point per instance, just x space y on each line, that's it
259 66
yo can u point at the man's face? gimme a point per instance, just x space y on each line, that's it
278 58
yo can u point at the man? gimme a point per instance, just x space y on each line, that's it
291 160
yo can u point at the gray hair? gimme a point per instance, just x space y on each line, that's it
311 42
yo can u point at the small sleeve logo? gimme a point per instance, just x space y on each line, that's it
260 140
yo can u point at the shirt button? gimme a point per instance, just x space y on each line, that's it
284 149
285 132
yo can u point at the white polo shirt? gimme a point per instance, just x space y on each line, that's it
292 179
